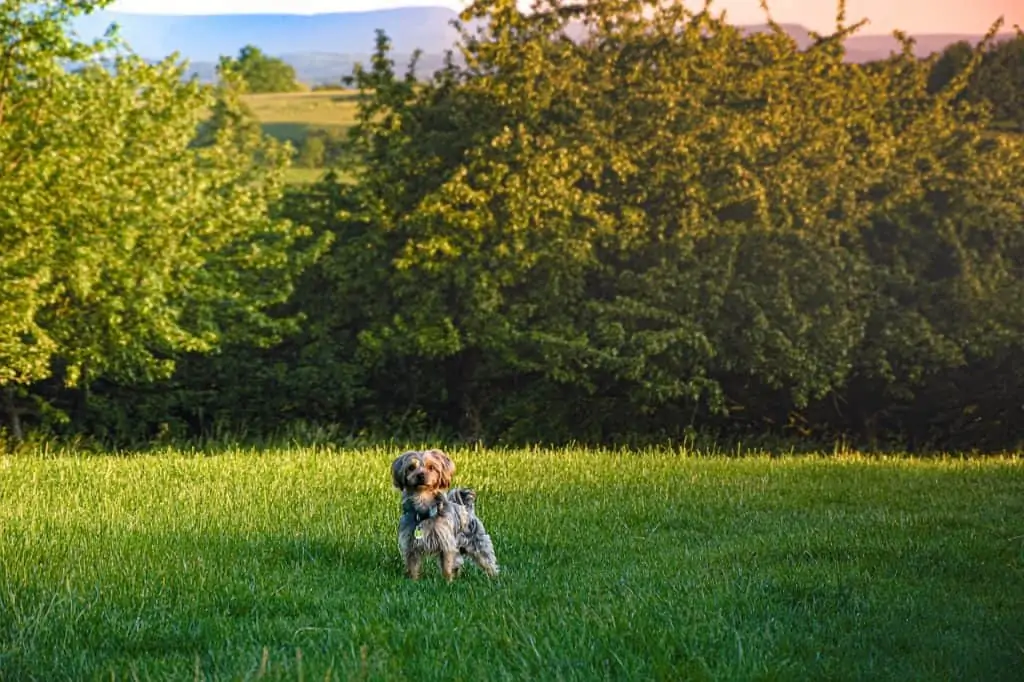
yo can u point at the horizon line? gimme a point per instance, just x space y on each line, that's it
864 32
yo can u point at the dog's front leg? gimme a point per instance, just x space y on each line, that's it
413 564
448 564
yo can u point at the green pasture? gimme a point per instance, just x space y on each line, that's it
293 116
304 176
238 565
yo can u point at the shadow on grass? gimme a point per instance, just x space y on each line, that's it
183 591
316 556
298 132
347 97
292 132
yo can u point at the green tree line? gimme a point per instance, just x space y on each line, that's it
998 80
257 72
666 229
125 238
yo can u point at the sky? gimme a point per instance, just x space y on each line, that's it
916 16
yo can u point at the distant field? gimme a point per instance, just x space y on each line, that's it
284 565
304 176
292 116
307 176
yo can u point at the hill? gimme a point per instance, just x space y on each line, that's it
325 47
870 47
204 38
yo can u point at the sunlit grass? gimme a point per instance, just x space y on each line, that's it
318 109
624 566
292 116
307 176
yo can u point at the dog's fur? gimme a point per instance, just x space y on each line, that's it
447 521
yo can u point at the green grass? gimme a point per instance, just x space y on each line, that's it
307 176
291 116
304 176
615 566
325 107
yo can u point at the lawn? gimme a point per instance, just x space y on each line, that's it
284 565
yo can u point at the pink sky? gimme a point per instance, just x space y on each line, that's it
917 16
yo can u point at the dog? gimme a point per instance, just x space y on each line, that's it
436 521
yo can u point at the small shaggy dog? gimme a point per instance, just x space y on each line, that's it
436 521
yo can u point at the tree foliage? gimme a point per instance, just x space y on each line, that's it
998 79
693 220
125 243
259 72
629 220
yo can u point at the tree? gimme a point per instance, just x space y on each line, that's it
1000 80
997 80
32 48
260 72
658 227
675 213
312 152
953 60
128 243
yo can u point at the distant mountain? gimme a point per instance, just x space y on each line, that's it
205 38
870 47
326 67
866 47
801 35
324 47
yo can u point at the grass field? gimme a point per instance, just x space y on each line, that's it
292 116
304 176
284 565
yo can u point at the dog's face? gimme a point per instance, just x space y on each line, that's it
417 471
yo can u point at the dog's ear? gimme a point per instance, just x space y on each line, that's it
398 470
447 467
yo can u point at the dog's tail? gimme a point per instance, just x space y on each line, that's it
464 496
